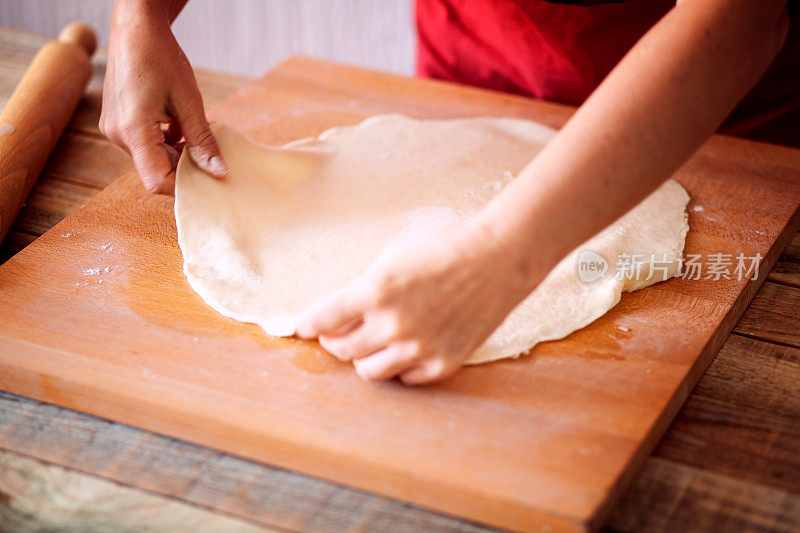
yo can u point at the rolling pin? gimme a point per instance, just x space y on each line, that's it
37 113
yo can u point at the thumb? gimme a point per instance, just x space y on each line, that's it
200 141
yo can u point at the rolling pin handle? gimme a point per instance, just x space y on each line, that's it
80 34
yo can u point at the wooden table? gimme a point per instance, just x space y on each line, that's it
730 459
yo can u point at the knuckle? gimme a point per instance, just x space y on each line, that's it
129 128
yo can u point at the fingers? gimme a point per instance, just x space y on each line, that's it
155 168
151 157
144 141
363 339
386 363
405 361
200 141
431 370
370 342
331 312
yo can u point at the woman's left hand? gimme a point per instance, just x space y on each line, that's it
423 307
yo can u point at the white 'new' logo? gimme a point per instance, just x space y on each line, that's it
591 266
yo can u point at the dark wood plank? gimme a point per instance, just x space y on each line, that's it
87 116
246 489
88 159
13 243
773 315
742 417
787 270
666 496
757 375
669 496
51 200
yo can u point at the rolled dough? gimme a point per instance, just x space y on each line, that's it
295 222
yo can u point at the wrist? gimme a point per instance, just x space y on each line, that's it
519 250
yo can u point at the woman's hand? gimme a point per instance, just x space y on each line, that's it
151 99
423 307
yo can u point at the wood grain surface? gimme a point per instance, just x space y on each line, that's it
669 494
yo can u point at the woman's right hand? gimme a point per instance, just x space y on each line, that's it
151 100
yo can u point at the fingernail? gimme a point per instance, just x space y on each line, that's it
218 166
151 186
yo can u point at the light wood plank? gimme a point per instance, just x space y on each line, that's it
37 497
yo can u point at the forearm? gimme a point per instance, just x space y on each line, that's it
663 100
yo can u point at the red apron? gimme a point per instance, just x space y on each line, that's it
562 52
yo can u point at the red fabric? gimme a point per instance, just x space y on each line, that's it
562 52
543 49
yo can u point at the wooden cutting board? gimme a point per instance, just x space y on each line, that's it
98 317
